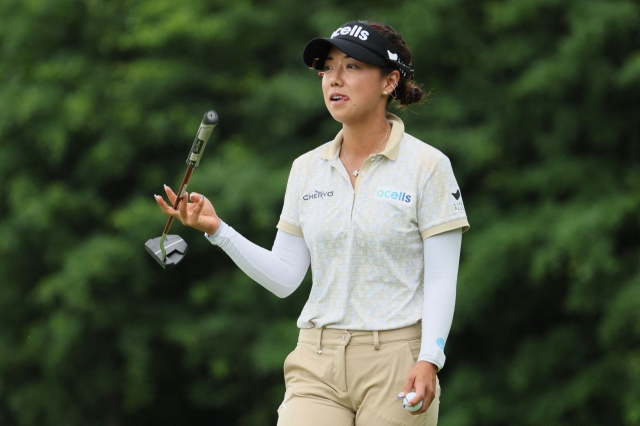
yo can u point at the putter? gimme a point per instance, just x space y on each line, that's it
168 250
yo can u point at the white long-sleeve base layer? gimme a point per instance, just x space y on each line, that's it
282 269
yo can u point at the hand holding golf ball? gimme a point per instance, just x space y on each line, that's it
419 387
405 402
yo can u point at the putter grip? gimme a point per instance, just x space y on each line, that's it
209 121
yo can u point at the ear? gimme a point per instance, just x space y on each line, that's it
392 80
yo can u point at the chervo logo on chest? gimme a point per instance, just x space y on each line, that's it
317 194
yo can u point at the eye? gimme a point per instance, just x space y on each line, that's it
352 66
327 67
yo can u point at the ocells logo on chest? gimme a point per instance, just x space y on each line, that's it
388 193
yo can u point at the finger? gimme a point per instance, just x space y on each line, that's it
166 209
170 194
426 403
195 213
200 204
422 409
183 205
419 386
425 407
416 399
408 386
195 197
425 394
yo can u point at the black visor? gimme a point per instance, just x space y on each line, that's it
361 42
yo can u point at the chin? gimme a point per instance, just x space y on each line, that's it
346 118
339 116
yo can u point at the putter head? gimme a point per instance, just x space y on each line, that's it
175 247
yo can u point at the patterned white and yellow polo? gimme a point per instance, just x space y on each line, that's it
366 242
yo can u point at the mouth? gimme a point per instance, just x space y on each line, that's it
338 99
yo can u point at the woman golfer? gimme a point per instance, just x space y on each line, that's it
379 216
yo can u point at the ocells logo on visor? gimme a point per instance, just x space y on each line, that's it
388 193
355 31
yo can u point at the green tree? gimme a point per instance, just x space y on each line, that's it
535 102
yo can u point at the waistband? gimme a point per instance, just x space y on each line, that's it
334 337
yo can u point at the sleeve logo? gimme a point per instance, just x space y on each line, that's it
455 201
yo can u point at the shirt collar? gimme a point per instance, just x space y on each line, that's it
390 151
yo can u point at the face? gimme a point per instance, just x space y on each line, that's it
352 89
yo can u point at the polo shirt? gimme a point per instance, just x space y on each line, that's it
366 241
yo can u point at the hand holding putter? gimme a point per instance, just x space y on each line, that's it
168 250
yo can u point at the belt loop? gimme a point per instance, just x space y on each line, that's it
376 341
319 344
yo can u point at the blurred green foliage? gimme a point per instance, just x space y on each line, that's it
535 102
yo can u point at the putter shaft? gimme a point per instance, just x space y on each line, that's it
183 188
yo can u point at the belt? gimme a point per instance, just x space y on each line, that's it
335 337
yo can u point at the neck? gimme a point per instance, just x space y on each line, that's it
363 139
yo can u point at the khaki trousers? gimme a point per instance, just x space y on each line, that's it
347 378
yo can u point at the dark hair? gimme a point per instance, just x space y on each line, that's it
407 92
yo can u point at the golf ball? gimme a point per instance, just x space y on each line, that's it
405 402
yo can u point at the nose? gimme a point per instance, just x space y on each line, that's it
336 77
